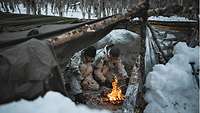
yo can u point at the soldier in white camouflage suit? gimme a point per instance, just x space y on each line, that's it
108 65
79 75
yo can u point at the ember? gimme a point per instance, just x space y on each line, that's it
116 96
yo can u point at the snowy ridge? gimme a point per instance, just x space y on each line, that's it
171 18
51 103
118 36
172 88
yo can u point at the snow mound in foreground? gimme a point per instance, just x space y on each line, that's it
172 88
51 103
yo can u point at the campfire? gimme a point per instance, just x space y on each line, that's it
115 96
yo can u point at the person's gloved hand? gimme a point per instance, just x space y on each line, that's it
80 98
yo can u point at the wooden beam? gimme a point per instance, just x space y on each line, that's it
87 28
95 27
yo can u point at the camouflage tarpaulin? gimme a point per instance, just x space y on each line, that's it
28 70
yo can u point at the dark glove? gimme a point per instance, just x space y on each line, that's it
80 99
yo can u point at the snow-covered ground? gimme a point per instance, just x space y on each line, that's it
51 103
171 18
79 14
172 88
71 12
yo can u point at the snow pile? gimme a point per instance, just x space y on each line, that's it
51 103
172 88
171 18
119 36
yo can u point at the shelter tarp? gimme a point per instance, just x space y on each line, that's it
28 70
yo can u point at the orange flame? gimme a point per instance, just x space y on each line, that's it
116 95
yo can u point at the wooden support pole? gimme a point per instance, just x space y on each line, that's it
138 11
87 28
143 19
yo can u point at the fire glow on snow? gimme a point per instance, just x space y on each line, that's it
51 103
172 88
